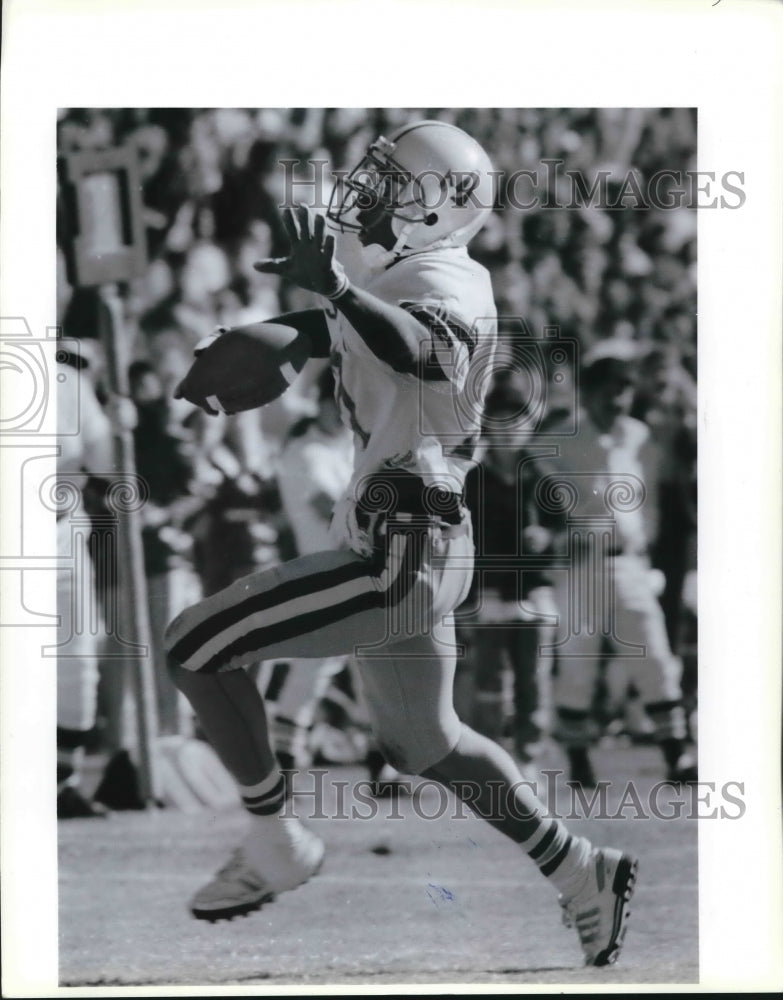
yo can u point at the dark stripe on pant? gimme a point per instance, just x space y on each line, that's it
285 591
256 641
554 863
269 635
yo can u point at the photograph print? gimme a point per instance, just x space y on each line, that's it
376 514
376 518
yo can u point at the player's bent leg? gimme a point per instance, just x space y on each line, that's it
408 691
595 884
323 604
232 715
409 696
278 853
329 602
299 608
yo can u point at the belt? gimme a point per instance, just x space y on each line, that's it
398 493
447 528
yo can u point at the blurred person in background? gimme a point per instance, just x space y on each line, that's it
516 611
100 679
91 450
164 461
608 446
240 529
666 401
313 470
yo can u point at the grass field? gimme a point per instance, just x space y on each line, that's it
399 900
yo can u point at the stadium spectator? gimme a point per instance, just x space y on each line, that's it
515 609
608 267
313 470
604 483
165 464
666 401
77 599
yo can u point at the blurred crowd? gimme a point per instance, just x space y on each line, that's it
213 182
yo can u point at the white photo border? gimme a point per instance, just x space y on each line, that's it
721 58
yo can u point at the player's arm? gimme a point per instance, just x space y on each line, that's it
391 333
312 323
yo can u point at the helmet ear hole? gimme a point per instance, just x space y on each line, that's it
441 181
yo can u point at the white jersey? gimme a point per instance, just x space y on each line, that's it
425 422
625 458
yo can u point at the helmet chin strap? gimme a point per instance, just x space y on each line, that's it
379 257
450 240
384 258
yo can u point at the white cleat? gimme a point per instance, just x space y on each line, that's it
260 869
599 911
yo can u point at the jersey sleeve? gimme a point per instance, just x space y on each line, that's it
447 344
448 294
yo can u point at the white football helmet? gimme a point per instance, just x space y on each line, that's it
432 179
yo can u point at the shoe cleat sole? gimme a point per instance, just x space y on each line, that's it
244 909
623 887
240 910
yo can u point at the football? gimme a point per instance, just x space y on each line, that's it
245 367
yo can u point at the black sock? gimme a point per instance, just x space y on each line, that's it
71 739
672 749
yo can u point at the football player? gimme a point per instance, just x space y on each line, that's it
411 351
617 456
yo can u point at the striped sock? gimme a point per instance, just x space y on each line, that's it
476 770
266 797
560 856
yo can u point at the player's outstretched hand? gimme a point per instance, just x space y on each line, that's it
311 263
